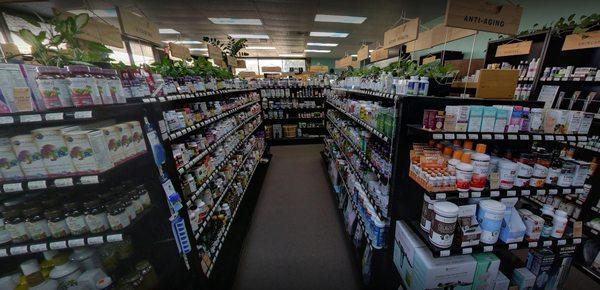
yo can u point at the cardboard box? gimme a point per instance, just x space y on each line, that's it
467 231
539 262
129 149
137 137
513 228
560 267
53 149
475 117
533 225
501 122
523 278
485 271
29 156
462 120
112 137
573 123
9 164
552 121
88 150
451 118
514 121
489 119
586 123
501 282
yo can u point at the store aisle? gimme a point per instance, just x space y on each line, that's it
296 240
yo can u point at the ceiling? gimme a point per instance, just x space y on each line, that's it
286 22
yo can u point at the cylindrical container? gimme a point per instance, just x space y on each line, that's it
426 213
118 217
565 179
86 258
57 223
75 219
489 215
95 216
540 169
36 224
464 173
443 224
559 223
508 172
548 216
15 225
481 167
553 173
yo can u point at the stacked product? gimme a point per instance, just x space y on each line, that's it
379 117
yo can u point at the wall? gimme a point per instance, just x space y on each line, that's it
534 11
330 62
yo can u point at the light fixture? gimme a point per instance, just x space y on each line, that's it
328 34
183 41
96 12
260 47
322 44
249 36
371 50
318 50
339 18
168 31
236 21
198 49
291 55
354 55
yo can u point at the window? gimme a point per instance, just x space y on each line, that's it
294 64
15 24
251 65
119 55
142 54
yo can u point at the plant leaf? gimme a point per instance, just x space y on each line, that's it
29 37
81 20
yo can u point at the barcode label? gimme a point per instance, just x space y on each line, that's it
55 116
63 182
90 179
83 114
38 184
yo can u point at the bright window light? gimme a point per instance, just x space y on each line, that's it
354 55
328 34
339 18
249 36
318 50
371 50
198 49
322 44
168 31
291 55
260 47
183 41
236 21
96 12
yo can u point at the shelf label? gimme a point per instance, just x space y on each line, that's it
90 179
549 137
547 243
7 120
63 182
571 138
494 193
576 241
473 136
566 191
12 187
476 194
540 191
440 196
463 194
162 99
445 253
525 192
114 238
30 118
512 246
54 116
76 243
448 136
560 138
38 184
524 137
579 190
3 253
532 244
486 136
467 250
461 136
38 248
511 193
488 248
582 138
18 250
83 114
553 191
58 245
95 240
537 137
437 136
512 137
499 136
562 242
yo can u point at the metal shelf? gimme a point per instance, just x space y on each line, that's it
196 95
499 136
370 94
369 128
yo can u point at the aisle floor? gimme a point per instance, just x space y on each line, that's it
296 239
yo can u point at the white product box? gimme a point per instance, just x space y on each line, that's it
113 142
533 224
475 116
53 150
581 173
486 271
137 137
489 119
126 140
513 229
501 282
552 121
586 123
9 164
514 119
523 278
450 118
29 156
462 120
88 151
573 123
501 123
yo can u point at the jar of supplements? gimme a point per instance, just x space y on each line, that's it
36 224
83 87
95 216
567 172
102 83
57 222
75 219
524 169
559 223
548 216
15 225
128 205
4 234
118 217
508 172
553 172
540 169
426 213
144 196
443 224
53 88
115 86
489 215
136 202
149 277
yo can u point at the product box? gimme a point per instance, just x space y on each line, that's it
489 119
126 140
573 123
88 150
514 121
53 149
485 271
468 230
113 142
560 267
451 118
29 157
431 273
475 117
9 164
552 121
513 228
533 225
586 123
501 282
539 262
581 172
462 120
501 119
30 74
15 94
523 279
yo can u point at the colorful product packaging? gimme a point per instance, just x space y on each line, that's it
552 121
489 119
113 142
29 157
451 117
15 95
573 123
9 164
539 262
126 140
514 121
586 123
475 117
88 151
137 137
53 149
501 119
485 271
462 120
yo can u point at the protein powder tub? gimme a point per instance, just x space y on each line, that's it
426 213
443 224
489 215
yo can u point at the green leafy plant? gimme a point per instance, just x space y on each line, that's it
232 47
442 74
563 25
199 67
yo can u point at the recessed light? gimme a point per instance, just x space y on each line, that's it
96 12
183 41
168 31
354 55
322 44
328 34
318 50
340 18
259 47
198 49
291 55
236 21
250 36
371 50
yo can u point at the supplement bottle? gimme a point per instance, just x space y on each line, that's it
559 223
443 224
481 166
464 173
548 216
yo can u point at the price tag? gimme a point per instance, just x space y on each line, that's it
499 136
114 238
576 79
532 244
486 136
579 190
576 241
30 118
461 136
89 179
18 250
467 250
566 191
512 246
76 243
12 187
512 137
463 194
145 100
38 248
63 182
552 191
3 253
38 184
476 194
562 242
54 116
564 79
549 137
488 248
473 136
540 191
95 240
560 138
524 137
7 120
440 196
582 138
547 243
571 138
448 136
511 193
438 136
58 245
494 193
537 137
83 114
525 192
445 253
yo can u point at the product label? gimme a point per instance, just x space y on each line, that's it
18 232
97 223
84 92
463 179
77 225
442 231
58 229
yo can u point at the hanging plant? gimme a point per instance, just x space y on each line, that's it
231 48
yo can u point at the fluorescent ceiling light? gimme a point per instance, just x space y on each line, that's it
183 41
291 55
236 21
328 34
168 31
371 50
339 18
322 44
259 47
318 50
354 55
198 49
249 36
96 12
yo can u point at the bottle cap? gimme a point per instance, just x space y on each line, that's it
447 151
457 154
465 158
480 148
468 145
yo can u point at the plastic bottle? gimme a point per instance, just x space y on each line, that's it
456 155
548 216
468 147
559 223
481 166
464 172
423 86
412 88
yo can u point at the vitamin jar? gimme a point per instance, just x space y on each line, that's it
118 217
53 87
567 172
136 202
75 219
426 213
57 223
128 205
144 196
443 224
489 215
15 225
95 216
83 87
524 170
540 169
508 172
36 224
